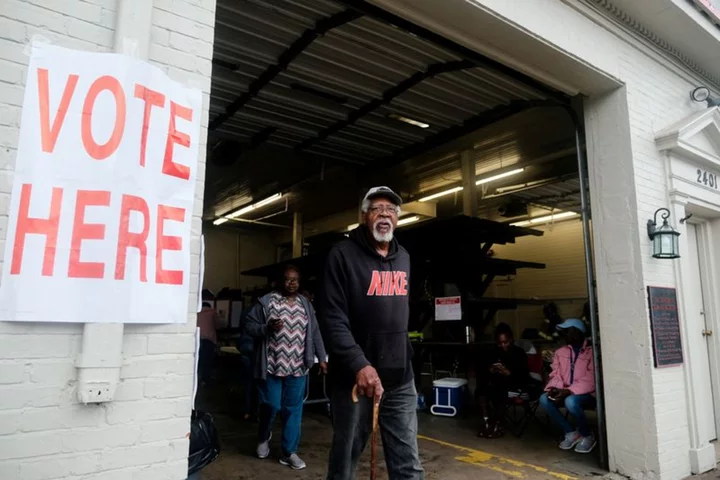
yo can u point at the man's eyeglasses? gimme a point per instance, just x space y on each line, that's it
388 209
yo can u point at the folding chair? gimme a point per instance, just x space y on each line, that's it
528 399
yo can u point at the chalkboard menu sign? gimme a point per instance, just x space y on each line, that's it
665 326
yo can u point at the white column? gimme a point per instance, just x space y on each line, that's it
100 358
297 240
622 305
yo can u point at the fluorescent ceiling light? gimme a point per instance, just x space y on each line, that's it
441 194
268 200
545 219
254 206
220 221
353 226
499 176
406 220
482 181
410 121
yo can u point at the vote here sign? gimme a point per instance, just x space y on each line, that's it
102 200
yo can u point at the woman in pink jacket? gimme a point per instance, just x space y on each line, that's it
572 385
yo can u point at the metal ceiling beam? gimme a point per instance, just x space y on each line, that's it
298 46
478 59
387 97
222 63
476 122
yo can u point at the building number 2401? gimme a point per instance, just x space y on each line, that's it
707 179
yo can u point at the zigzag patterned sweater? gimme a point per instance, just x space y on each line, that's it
286 348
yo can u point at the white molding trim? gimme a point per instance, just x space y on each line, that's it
601 16
667 50
679 198
677 138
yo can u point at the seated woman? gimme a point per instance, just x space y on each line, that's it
504 368
572 385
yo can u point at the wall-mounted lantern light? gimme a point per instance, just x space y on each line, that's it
664 238
702 94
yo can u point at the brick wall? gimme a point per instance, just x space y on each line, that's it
44 433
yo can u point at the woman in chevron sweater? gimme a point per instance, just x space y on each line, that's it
287 341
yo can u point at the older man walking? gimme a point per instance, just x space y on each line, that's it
364 318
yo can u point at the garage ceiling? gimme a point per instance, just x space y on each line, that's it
306 96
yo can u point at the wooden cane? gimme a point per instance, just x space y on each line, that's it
373 436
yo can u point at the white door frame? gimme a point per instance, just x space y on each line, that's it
705 216
711 283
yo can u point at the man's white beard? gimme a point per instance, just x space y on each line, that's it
382 237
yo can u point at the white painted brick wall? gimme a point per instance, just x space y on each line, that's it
44 433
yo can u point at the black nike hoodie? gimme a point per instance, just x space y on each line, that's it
364 310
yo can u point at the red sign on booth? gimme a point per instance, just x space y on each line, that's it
102 201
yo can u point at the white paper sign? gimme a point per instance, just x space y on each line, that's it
102 199
448 308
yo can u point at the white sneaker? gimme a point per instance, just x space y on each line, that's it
586 445
571 440
263 448
293 461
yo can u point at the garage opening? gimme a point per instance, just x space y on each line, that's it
312 103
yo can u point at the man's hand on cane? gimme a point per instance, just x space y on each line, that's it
368 383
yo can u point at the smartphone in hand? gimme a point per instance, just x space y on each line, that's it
553 394
275 324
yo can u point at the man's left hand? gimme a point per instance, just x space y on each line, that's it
323 367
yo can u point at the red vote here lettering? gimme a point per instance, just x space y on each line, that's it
49 133
86 231
50 129
174 136
36 226
167 242
151 99
127 239
82 230
95 150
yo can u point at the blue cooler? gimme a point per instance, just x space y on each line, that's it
449 393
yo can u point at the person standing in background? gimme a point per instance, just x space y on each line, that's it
287 341
245 344
207 321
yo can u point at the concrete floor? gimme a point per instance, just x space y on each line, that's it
448 447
